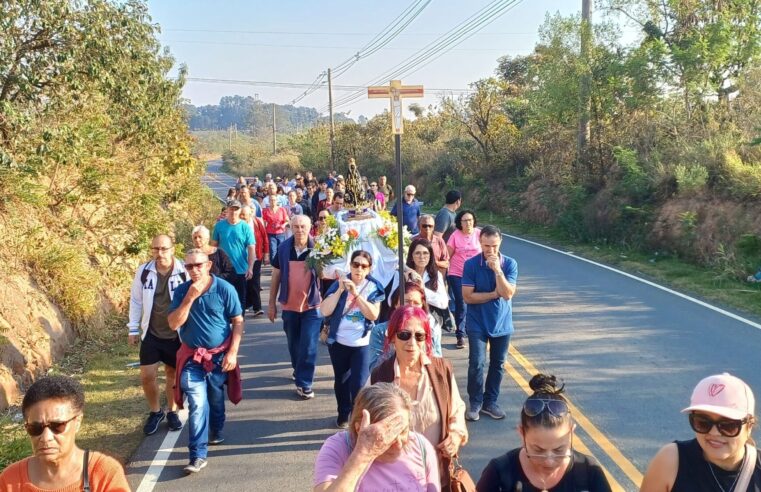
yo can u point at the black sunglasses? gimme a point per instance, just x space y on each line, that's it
35 429
363 266
406 335
534 406
726 427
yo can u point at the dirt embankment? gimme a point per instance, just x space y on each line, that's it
33 335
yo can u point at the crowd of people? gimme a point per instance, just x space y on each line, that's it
400 416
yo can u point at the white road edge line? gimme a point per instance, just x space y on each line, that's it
647 282
151 477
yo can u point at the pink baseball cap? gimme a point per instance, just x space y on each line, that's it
723 394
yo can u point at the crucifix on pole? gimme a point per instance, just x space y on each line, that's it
395 91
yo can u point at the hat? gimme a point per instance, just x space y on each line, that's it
233 204
723 394
278 179
340 177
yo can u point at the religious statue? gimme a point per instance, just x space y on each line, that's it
355 196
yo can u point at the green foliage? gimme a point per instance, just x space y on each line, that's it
742 181
690 179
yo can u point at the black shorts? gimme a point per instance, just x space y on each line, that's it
153 350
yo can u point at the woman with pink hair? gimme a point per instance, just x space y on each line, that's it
438 411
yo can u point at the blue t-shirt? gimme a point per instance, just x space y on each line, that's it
495 317
410 214
234 241
208 324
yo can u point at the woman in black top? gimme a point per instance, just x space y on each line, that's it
721 414
546 461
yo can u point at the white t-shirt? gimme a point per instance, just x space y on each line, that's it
353 322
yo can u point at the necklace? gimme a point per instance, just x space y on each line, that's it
718 484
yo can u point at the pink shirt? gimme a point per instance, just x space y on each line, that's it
465 248
408 473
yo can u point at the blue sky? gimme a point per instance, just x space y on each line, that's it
294 41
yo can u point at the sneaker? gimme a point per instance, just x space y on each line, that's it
293 376
460 343
153 421
342 423
494 411
173 421
473 413
305 393
195 465
258 312
216 437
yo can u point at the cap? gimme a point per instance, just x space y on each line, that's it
278 178
340 177
233 204
723 394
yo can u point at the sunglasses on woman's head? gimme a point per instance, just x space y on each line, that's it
702 424
35 429
534 406
406 335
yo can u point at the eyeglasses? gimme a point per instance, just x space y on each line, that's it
193 266
726 427
550 456
363 266
410 194
162 248
534 406
406 335
35 429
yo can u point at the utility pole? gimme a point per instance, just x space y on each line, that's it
274 131
332 125
230 137
585 83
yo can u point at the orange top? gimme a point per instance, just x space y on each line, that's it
106 475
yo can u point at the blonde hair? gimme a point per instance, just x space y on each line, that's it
381 400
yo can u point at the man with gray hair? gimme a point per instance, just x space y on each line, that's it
440 251
295 286
152 292
410 209
202 312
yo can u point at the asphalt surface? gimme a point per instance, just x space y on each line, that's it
629 354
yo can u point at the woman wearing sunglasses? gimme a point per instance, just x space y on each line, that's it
438 411
352 305
721 414
546 461
52 410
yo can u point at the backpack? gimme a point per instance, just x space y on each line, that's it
144 276
579 469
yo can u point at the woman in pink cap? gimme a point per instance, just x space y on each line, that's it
722 457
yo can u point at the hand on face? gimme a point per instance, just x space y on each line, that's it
375 439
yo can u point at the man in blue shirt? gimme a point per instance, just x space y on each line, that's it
202 311
489 282
236 238
410 210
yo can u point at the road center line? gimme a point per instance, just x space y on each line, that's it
605 444
578 443
151 477
647 282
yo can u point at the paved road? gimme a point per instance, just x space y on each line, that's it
629 353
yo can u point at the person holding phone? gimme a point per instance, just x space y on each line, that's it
353 304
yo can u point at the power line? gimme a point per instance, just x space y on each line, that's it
295 85
304 46
438 47
393 29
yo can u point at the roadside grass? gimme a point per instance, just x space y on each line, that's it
707 284
114 402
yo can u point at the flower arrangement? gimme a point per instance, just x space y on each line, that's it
330 244
389 232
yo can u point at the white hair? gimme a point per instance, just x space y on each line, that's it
410 188
200 228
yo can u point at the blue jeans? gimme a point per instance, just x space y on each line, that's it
302 330
460 309
351 369
275 241
205 392
477 394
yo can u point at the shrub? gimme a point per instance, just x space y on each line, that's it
690 179
741 180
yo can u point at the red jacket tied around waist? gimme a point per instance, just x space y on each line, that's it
204 356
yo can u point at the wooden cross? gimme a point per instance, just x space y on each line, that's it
396 92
